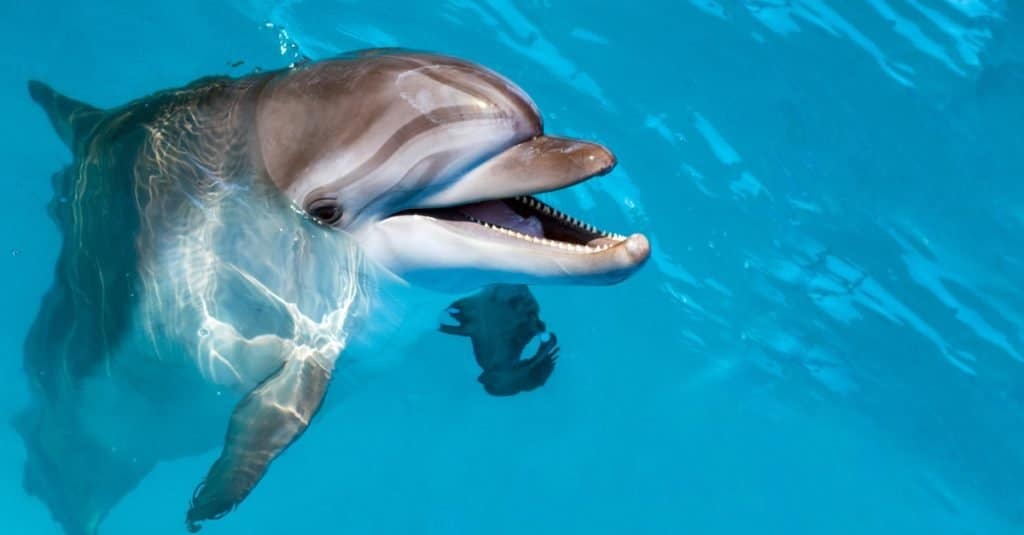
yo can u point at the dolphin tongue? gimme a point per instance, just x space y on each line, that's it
499 213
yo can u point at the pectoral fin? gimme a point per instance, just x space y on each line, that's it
262 426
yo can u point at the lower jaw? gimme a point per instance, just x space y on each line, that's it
470 279
470 258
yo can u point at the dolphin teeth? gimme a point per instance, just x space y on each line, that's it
549 211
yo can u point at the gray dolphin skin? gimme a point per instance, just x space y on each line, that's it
226 242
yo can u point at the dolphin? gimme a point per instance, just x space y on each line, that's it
438 177
217 243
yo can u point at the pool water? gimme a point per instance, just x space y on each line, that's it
827 338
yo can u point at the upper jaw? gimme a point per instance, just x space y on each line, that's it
541 164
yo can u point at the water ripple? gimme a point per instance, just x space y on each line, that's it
956 44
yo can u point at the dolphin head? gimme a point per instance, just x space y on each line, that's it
431 163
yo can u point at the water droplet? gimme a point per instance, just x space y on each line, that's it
203 331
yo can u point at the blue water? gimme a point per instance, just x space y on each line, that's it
828 338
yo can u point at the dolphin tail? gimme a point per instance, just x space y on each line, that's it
77 479
73 120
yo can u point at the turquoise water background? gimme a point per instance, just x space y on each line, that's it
828 338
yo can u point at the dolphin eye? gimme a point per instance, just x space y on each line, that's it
326 211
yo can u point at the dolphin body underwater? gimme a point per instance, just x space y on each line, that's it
224 243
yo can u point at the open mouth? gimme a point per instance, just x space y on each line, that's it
526 218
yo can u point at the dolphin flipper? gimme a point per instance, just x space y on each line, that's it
500 321
263 425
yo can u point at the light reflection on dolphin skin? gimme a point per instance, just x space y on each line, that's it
223 241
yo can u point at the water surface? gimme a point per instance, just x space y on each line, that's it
827 339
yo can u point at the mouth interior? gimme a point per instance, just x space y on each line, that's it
527 218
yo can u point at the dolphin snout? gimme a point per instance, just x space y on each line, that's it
638 247
562 162
602 159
